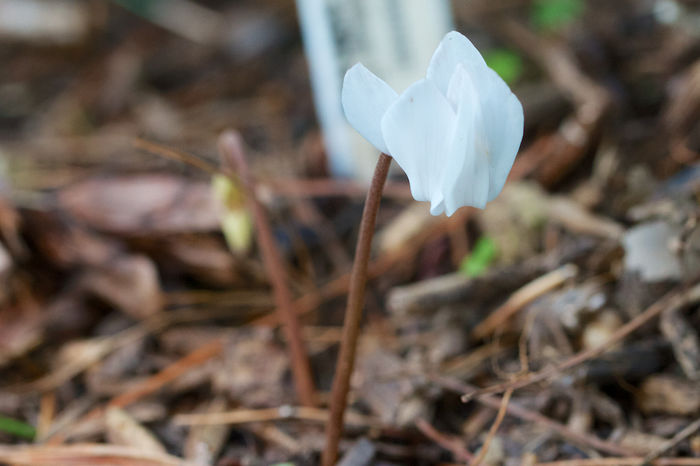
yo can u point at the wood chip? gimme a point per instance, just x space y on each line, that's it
670 395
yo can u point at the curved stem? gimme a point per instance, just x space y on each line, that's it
353 313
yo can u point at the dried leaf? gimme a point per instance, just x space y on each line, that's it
122 429
241 375
143 204
129 283
21 328
670 395
204 443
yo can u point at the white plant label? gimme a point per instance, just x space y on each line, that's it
394 38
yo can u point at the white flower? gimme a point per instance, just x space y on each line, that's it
455 133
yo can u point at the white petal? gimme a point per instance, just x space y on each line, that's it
418 129
453 50
503 124
366 99
466 178
437 208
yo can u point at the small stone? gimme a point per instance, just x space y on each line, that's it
648 252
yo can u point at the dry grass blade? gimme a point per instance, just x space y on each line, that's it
523 297
449 443
244 416
93 454
494 428
94 351
176 155
167 375
101 347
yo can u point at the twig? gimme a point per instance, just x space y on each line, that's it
559 63
167 375
353 312
67 417
494 428
683 434
631 461
525 414
673 299
233 154
173 154
273 434
684 341
450 443
592 101
107 345
153 383
523 297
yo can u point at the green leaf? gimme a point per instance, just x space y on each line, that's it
506 63
478 261
17 428
552 15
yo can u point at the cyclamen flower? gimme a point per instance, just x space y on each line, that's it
455 133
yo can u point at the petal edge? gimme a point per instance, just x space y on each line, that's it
366 98
454 49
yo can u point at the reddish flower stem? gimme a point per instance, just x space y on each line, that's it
353 313
231 148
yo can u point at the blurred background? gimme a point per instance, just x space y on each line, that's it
135 308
